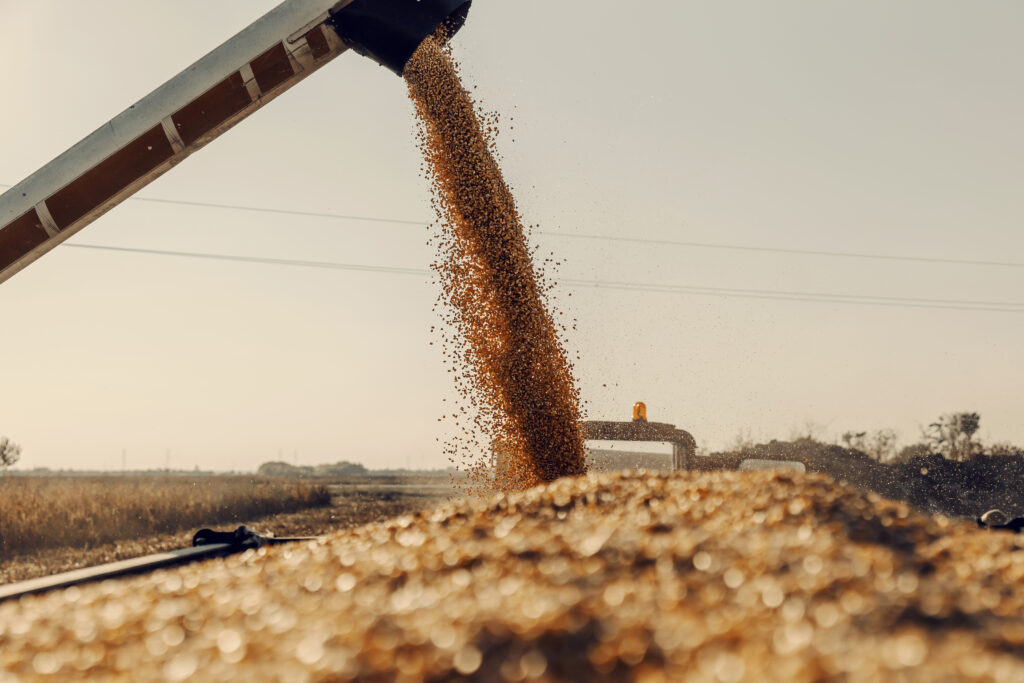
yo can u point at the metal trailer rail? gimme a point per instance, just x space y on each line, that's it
207 544
202 102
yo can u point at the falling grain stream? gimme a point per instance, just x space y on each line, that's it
518 374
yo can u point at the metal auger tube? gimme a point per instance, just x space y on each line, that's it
205 100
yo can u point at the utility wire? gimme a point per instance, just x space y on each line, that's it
808 297
776 295
285 212
822 296
260 209
331 265
607 238
779 250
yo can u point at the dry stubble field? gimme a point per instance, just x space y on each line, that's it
55 524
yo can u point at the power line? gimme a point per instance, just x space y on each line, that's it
809 297
331 265
262 209
776 295
804 252
596 237
852 297
286 212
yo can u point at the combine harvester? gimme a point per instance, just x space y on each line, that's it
181 116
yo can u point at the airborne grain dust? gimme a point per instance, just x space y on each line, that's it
509 363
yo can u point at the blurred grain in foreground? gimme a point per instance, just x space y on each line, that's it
720 576
37 513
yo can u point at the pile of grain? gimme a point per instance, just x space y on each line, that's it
507 358
721 576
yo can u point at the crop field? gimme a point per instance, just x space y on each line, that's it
278 506
38 513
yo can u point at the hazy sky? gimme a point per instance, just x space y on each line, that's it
871 127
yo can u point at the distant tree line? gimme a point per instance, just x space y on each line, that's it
948 471
952 436
339 469
10 453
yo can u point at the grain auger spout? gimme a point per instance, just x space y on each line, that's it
262 61
389 31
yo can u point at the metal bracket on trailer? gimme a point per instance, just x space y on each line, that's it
684 447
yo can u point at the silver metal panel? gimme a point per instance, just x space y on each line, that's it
113 570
